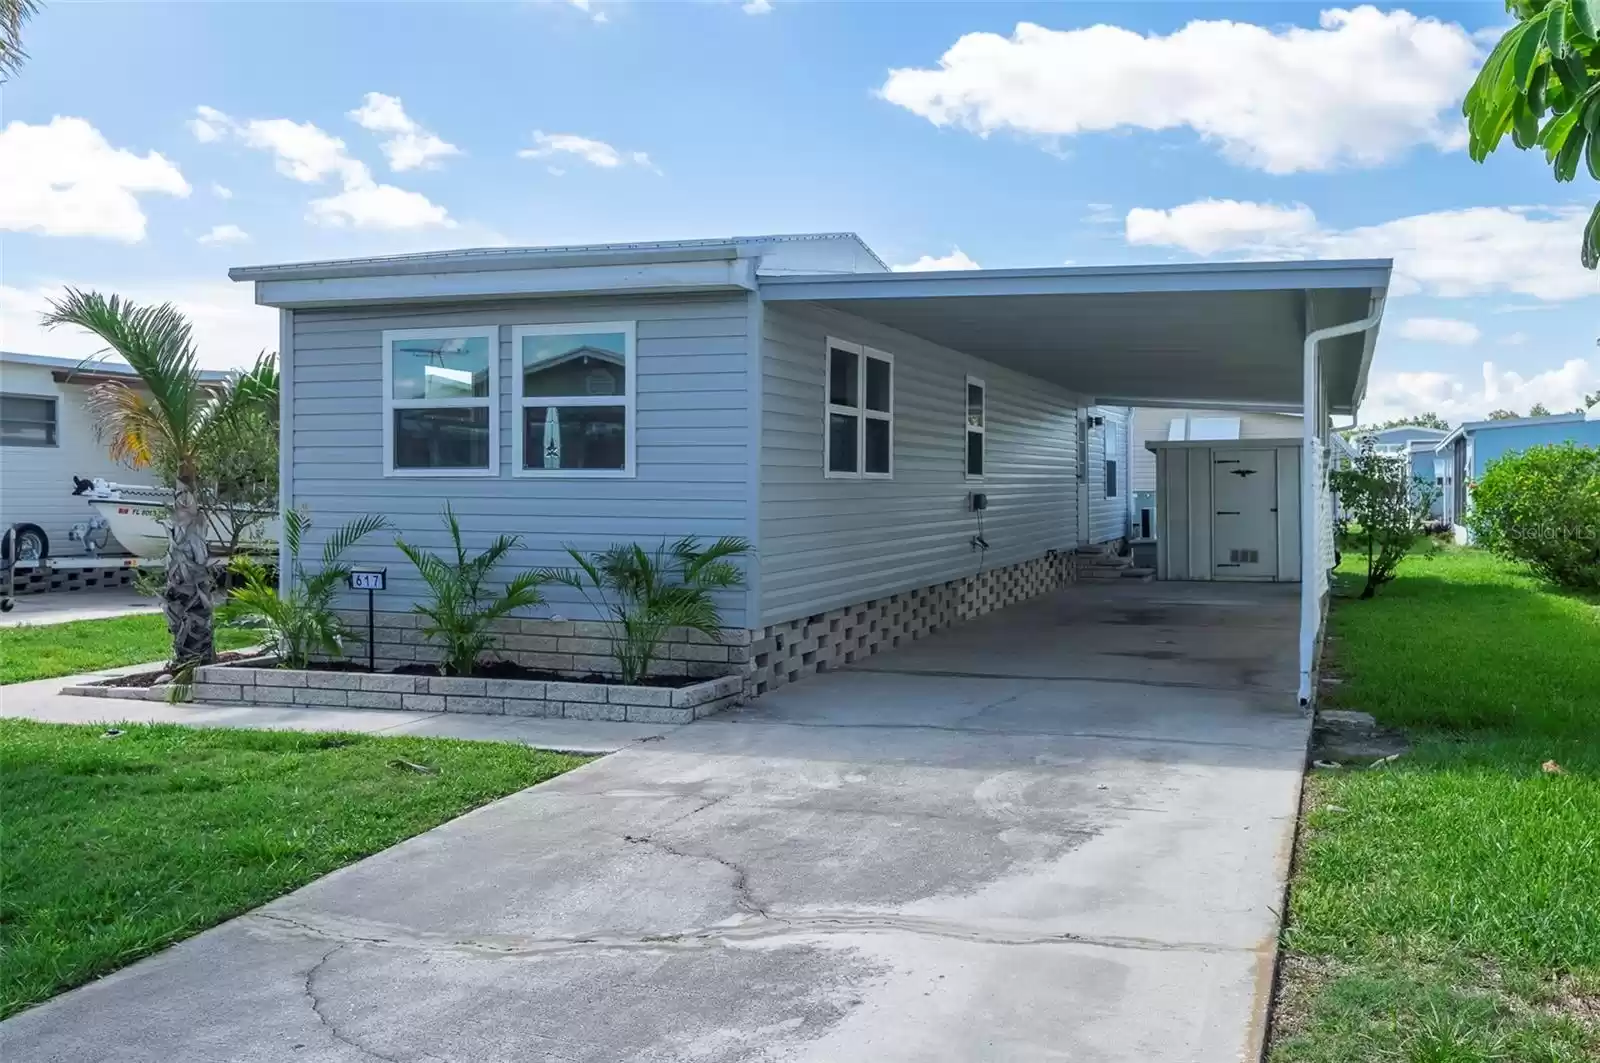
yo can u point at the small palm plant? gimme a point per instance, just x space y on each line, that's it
646 595
173 422
301 622
461 606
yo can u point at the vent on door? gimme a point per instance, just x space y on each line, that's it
1244 557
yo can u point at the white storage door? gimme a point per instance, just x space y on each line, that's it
1244 533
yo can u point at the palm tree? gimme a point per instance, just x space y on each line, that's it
13 13
168 423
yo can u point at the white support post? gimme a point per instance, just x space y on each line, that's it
1312 485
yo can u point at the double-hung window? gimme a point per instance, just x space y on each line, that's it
574 391
858 441
28 421
441 402
977 426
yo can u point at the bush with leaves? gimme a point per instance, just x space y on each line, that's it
647 594
301 622
462 606
1388 510
1542 507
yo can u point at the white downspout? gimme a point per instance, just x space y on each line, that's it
1311 409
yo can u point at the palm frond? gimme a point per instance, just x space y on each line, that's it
346 537
133 429
13 13
158 343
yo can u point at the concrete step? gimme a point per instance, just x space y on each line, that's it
1136 572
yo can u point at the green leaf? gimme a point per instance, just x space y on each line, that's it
1489 101
1592 149
1553 137
1524 125
1528 48
1571 154
1555 28
1586 13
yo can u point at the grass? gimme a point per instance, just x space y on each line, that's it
1446 907
45 651
113 848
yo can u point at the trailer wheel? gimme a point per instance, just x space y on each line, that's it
32 544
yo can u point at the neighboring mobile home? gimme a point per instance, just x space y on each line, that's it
903 450
1416 445
47 436
1468 450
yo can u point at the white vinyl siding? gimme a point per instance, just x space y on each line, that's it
829 542
1107 442
36 482
692 423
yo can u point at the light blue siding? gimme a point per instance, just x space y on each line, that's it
1490 443
693 437
831 542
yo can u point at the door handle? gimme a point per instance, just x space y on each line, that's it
1227 512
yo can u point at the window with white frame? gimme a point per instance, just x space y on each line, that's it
573 396
28 421
977 424
441 402
859 436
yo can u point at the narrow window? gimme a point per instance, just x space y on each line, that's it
27 421
574 397
1111 479
858 440
977 424
441 402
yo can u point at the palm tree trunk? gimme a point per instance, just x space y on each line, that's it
187 601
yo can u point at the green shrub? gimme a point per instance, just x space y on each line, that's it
1386 509
301 622
461 607
646 595
1542 507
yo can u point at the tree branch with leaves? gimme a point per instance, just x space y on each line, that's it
1541 84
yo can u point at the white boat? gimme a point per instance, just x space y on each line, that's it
138 517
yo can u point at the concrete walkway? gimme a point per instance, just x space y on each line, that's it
60 607
1059 833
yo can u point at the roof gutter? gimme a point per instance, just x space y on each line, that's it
1310 498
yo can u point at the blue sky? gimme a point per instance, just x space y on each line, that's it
1016 134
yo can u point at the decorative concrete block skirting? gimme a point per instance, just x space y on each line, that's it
787 652
421 693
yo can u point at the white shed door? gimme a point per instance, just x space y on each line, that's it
1244 532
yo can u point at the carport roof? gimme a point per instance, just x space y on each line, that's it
1213 334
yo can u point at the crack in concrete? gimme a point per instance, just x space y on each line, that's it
741 878
310 991
754 928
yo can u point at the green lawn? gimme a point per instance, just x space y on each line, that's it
49 650
1446 907
112 848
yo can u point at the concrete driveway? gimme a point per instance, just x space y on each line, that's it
1058 833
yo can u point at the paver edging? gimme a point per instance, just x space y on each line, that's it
246 682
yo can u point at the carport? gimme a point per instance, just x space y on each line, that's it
1284 336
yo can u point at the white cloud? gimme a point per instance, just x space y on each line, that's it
1459 399
411 146
1208 226
956 259
1447 330
374 206
594 152
1362 89
308 154
756 7
221 191
229 328
65 179
1515 339
1529 251
209 124
588 8
225 234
